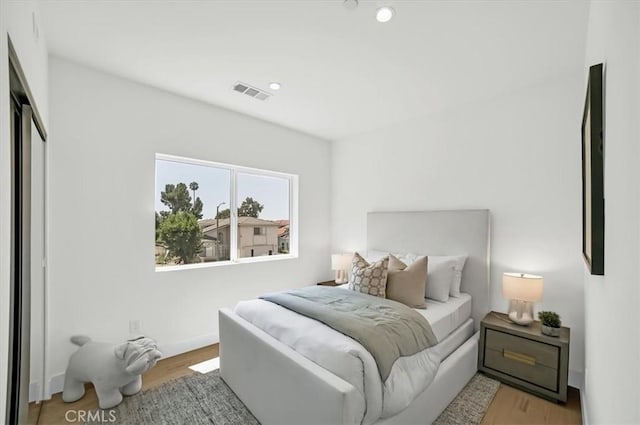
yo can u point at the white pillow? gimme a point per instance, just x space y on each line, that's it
440 274
374 255
457 276
408 259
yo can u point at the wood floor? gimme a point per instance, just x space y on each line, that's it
509 407
514 407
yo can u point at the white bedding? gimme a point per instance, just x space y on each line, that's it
455 339
350 361
328 348
446 317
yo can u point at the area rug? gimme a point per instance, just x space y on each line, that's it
206 399
469 407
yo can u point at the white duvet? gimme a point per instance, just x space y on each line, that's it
346 358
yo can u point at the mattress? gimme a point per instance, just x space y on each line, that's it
455 339
445 317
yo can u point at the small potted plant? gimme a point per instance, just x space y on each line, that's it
550 323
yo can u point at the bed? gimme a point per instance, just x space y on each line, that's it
282 386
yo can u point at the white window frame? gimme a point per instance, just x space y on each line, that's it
234 170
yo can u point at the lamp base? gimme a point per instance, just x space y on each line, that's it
341 277
521 312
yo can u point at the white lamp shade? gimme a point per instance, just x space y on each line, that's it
341 261
522 287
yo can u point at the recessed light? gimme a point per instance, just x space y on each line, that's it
275 86
384 14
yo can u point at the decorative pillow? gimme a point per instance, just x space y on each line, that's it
440 277
369 278
435 264
407 284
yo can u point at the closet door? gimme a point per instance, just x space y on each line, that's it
20 315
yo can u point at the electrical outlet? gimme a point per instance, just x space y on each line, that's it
134 326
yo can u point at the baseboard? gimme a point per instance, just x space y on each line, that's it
583 406
173 349
56 383
576 379
34 391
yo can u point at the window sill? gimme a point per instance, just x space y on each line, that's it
248 260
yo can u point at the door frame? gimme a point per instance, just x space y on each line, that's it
24 112
20 292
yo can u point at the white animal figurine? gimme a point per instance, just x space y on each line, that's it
114 370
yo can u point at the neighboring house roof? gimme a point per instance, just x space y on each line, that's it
252 221
223 222
207 222
283 232
242 221
282 222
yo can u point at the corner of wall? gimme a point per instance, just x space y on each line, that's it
610 393
584 400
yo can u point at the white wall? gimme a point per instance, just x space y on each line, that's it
612 371
517 155
17 20
105 133
24 26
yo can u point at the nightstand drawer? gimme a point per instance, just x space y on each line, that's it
522 349
522 366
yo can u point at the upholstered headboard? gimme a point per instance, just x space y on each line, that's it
440 233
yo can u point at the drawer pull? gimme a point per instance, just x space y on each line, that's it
522 358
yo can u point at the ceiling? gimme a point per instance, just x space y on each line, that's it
342 73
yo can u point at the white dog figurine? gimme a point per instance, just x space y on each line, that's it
114 370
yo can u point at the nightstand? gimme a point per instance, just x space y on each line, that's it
328 283
523 357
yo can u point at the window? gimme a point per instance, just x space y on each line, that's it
266 219
193 220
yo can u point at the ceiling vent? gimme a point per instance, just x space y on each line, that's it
250 91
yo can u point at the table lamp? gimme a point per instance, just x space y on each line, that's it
341 263
522 290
